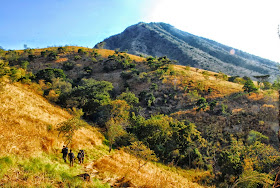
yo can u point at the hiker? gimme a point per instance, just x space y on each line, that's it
64 153
71 158
83 155
79 156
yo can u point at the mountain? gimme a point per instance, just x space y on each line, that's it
160 39
191 118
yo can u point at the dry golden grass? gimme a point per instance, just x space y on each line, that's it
61 60
106 53
121 165
103 52
220 87
28 122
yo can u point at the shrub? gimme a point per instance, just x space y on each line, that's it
61 49
127 74
31 57
53 56
154 87
129 97
49 73
81 51
77 57
249 86
68 65
43 53
88 70
94 60
90 95
24 64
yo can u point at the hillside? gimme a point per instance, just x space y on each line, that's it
189 118
30 149
160 39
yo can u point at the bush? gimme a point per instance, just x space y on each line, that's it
61 49
43 53
24 64
53 56
129 97
127 74
69 65
249 86
81 51
77 57
88 70
49 73
31 57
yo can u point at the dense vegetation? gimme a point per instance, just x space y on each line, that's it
188 117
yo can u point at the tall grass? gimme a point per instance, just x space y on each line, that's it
125 166
42 171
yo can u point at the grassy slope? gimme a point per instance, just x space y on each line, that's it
103 52
111 167
30 149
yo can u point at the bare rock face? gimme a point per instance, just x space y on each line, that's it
161 39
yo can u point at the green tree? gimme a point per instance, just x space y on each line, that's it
129 97
68 65
81 51
89 96
230 159
4 68
169 138
114 130
202 104
49 73
24 64
118 121
61 86
212 105
255 136
249 86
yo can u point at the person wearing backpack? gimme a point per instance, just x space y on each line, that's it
71 158
64 153
79 156
83 155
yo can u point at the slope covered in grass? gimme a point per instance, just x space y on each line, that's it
30 149
28 123
191 118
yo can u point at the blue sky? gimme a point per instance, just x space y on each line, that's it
249 25
41 23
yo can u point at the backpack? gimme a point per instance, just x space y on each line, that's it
83 153
65 150
71 156
79 155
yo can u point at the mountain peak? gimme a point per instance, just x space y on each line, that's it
162 39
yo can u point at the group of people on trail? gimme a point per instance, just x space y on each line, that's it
71 156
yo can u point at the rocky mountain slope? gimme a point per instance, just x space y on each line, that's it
159 39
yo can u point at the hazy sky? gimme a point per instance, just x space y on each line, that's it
248 25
